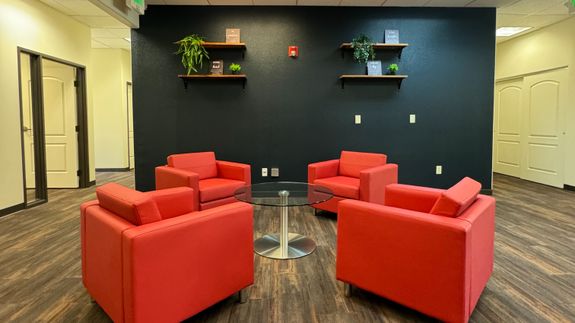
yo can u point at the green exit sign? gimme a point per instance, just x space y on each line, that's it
139 5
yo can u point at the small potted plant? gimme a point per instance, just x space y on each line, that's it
235 68
363 50
392 69
193 53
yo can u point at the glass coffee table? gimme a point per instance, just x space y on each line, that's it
283 245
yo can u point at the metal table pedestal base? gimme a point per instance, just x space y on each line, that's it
298 246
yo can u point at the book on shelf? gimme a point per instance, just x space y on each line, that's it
232 35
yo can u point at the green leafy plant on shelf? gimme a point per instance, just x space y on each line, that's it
362 49
392 69
235 68
193 53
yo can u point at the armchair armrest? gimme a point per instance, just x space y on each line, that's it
237 171
187 263
373 182
415 198
168 177
329 168
418 259
175 201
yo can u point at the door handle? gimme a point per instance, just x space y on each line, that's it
26 129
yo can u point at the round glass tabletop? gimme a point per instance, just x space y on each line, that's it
271 193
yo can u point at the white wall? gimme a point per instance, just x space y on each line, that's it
544 49
112 69
35 26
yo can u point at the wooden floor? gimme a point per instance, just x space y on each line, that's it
533 279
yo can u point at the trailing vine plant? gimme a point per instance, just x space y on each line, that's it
193 53
362 49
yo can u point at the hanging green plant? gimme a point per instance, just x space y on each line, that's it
362 49
193 53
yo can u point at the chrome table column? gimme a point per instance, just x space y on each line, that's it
284 245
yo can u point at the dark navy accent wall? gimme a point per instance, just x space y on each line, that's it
294 112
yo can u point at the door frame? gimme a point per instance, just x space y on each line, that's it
128 85
38 122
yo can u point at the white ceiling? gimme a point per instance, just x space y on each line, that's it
107 32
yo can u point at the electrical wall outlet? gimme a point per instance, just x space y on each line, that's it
358 119
438 170
275 172
264 172
412 118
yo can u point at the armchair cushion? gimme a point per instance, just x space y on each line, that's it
341 186
352 163
457 199
203 163
135 207
218 188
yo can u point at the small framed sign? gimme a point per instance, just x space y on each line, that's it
232 35
374 68
217 67
391 36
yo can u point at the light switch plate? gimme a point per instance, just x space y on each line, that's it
264 172
358 119
438 170
275 172
412 118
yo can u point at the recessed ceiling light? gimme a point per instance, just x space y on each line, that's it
127 39
510 31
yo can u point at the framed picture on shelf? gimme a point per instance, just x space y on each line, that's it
217 67
391 36
232 35
374 68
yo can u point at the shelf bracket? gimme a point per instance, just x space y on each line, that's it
399 83
244 84
185 83
399 53
342 83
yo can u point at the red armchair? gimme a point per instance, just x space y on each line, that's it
214 181
428 249
355 175
146 257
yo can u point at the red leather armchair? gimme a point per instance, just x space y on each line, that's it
428 249
214 181
355 175
146 257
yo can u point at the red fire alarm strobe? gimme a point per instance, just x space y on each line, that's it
293 51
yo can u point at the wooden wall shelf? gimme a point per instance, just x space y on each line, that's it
222 45
396 78
188 78
377 46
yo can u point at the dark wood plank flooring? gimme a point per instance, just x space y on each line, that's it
533 279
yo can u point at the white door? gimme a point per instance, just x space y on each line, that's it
28 134
130 127
545 97
507 127
60 124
